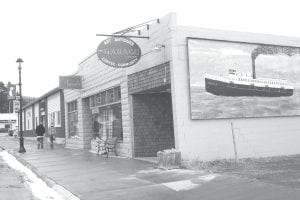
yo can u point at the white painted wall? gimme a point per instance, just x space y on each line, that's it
36 114
53 107
28 114
212 139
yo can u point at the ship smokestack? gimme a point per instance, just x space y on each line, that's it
270 50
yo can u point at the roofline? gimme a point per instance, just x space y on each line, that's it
53 91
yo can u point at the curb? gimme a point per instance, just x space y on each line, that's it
67 195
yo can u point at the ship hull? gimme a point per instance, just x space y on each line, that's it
232 89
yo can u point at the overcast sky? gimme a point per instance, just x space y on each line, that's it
52 37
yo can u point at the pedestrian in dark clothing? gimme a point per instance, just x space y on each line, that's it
40 131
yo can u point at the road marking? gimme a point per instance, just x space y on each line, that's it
188 184
208 177
181 185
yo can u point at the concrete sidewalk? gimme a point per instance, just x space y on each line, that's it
89 177
12 184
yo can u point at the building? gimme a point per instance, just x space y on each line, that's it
162 102
46 109
8 121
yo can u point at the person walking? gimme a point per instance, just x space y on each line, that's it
40 131
52 134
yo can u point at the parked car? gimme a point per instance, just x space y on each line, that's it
10 132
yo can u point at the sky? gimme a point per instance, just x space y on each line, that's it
53 37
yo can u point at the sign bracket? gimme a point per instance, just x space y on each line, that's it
125 36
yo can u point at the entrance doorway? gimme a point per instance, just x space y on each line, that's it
152 122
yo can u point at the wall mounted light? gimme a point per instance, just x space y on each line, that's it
159 47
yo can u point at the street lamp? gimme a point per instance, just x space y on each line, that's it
22 149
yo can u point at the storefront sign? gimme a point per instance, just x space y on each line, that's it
119 52
70 82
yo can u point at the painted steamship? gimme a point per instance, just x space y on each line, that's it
239 84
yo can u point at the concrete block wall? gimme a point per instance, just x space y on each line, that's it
212 139
124 147
86 116
153 123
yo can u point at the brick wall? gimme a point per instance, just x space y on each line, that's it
153 123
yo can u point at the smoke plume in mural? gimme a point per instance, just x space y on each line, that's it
271 50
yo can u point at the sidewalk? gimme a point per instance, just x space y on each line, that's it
11 184
95 177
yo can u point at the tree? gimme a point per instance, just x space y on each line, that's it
3 98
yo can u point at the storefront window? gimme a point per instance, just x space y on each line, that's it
117 94
107 122
110 96
107 114
103 98
72 118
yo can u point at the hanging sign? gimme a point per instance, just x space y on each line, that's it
70 82
119 52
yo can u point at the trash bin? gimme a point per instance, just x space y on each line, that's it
169 159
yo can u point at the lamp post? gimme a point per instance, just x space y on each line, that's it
22 149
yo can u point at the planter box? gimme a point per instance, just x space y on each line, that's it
169 159
94 146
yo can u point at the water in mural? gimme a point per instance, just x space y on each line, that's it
234 80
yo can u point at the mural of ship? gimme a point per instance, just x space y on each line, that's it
239 84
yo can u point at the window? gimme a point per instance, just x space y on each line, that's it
92 101
36 121
103 98
110 96
72 118
117 93
98 100
58 118
109 119
72 106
